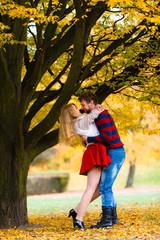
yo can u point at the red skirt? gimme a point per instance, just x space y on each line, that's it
94 156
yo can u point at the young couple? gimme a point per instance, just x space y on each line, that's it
102 159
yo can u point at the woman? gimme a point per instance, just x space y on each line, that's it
94 158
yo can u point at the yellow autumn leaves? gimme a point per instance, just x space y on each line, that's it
149 9
40 15
134 222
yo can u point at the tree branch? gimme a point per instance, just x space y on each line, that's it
43 97
46 142
51 27
34 37
66 41
26 58
29 85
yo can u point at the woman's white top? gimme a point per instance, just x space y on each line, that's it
85 125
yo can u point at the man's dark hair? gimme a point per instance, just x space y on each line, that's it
88 97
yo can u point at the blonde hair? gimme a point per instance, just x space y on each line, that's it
67 133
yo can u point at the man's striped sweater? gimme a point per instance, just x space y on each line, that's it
108 132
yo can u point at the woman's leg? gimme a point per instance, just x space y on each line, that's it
93 180
96 194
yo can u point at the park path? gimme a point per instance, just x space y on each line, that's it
117 192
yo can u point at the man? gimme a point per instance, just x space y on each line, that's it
110 138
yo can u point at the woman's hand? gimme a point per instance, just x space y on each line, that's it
100 108
84 140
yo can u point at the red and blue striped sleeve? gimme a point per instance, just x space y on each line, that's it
108 131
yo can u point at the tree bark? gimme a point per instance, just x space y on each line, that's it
130 179
13 180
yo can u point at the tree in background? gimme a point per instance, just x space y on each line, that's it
50 51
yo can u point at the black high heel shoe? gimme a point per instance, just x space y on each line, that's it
72 213
79 224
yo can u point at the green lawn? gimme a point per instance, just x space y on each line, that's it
44 205
144 176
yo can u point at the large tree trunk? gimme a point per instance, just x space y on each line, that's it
13 179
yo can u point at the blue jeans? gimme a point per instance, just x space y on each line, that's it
109 175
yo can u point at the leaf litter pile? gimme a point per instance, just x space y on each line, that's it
135 222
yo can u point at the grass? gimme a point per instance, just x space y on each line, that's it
147 175
45 205
144 176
